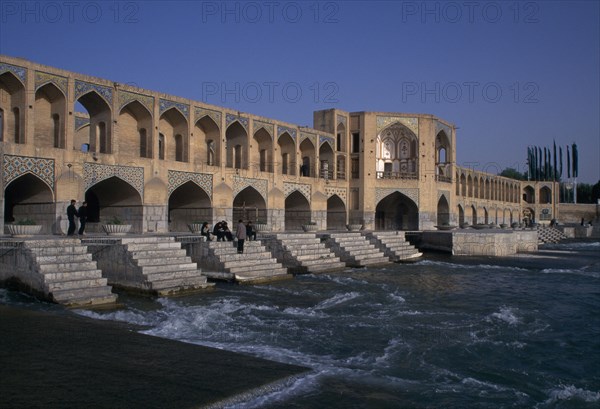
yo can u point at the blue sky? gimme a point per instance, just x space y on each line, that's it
508 74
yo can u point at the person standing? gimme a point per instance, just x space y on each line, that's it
71 214
82 213
240 233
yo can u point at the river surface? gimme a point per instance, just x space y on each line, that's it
444 332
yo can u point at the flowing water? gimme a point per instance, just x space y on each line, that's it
443 332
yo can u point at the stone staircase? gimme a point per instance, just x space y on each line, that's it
550 235
354 249
161 267
394 245
70 276
256 265
303 253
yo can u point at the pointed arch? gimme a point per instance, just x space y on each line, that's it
236 146
135 130
297 211
396 212
100 115
12 105
112 198
308 157
189 203
30 197
173 125
262 153
336 213
287 148
249 205
208 134
326 157
443 211
49 117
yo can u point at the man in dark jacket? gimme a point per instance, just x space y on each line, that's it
71 214
82 212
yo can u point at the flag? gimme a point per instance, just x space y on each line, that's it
575 161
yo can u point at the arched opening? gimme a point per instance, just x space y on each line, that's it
341 167
209 137
297 211
135 131
49 109
473 215
287 147
457 184
189 203
461 215
99 114
396 212
529 194
28 197
397 153
476 187
443 212
470 186
545 195
336 213
236 145
174 128
487 189
341 138
463 185
161 146
249 205
307 152
111 199
442 148
326 165
263 150
12 103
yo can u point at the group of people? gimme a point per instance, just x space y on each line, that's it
221 232
72 213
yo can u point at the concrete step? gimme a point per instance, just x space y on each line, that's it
265 258
75 284
324 268
152 246
66 258
51 243
72 275
147 239
65 267
52 251
163 268
255 270
171 252
63 296
153 261
173 275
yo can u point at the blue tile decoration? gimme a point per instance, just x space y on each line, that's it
326 139
412 194
200 113
282 129
241 183
261 124
125 97
203 180
20 72
94 173
16 166
409 122
43 78
305 189
81 121
165 105
82 88
339 191
230 118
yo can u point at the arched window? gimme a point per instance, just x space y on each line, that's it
143 143
210 152
17 124
179 148
101 130
56 130
161 146
442 155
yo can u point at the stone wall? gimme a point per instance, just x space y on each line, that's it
573 213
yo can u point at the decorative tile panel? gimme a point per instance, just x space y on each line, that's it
94 173
268 127
289 188
412 194
16 166
82 88
282 129
203 180
410 123
441 127
43 78
200 113
309 136
241 183
339 191
230 118
326 139
81 121
125 97
165 105
341 120
20 72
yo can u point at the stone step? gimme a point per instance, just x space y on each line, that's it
318 257
172 275
274 276
67 258
374 261
148 239
323 268
179 283
255 270
233 250
300 242
51 251
171 252
72 275
64 296
152 246
153 261
164 268
65 267
53 286
51 243
257 258
288 236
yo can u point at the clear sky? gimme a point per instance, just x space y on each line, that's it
508 73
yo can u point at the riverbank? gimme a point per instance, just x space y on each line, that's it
56 360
